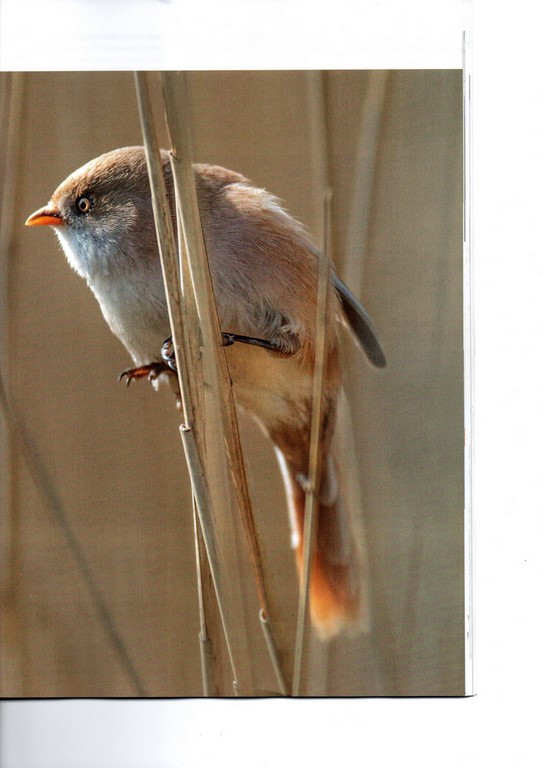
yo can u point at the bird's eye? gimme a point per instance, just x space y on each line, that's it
84 204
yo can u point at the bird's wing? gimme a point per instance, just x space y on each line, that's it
360 323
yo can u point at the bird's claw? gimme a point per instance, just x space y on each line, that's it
150 371
167 353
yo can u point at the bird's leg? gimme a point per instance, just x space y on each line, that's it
150 371
231 338
168 354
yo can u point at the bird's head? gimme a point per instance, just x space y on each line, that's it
102 213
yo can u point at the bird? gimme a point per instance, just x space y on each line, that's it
264 270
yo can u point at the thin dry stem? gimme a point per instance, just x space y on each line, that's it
319 147
320 151
364 171
193 450
209 651
311 510
175 101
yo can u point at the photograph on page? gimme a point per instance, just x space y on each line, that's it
276 504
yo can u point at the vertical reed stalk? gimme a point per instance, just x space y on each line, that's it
313 475
364 171
12 108
175 99
356 246
209 620
12 95
191 432
320 167
319 147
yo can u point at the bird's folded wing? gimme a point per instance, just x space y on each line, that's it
360 323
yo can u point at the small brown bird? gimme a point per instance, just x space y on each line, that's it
264 269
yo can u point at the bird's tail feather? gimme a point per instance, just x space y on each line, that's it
336 592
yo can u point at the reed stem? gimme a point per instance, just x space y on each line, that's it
192 441
175 99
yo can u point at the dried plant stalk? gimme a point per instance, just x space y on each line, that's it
364 170
209 619
319 146
11 127
320 166
311 511
192 441
175 99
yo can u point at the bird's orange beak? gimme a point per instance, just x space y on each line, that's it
46 215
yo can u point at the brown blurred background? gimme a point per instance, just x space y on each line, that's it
111 458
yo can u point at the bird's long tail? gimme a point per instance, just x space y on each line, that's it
337 594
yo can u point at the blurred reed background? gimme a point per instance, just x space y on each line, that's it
111 458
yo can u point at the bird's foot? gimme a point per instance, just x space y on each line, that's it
167 353
151 371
